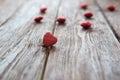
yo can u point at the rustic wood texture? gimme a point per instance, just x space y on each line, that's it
79 54
21 54
113 18
8 8
83 54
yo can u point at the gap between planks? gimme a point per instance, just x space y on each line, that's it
46 58
47 50
102 76
108 22
53 30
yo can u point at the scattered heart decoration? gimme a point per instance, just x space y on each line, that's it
88 14
49 39
86 24
43 9
84 6
61 19
111 7
38 18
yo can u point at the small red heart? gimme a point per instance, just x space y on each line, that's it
84 6
86 24
61 20
43 9
88 14
49 39
38 18
111 7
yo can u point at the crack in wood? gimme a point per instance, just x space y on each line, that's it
108 22
47 50
54 26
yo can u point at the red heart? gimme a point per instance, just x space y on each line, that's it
38 18
61 19
49 39
86 24
111 7
88 14
43 9
84 6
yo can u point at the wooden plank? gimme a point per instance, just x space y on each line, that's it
113 18
11 33
104 4
21 54
92 54
8 8
2 2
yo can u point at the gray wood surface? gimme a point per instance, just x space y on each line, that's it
79 54
21 54
83 54
8 8
113 18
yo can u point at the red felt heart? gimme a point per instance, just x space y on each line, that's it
38 18
111 7
43 9
88 14
86 24
49 39
61 19
84 6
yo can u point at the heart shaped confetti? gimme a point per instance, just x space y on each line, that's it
38 18
111 7
49 39
43 9
61 19
86 24
88 14
84 6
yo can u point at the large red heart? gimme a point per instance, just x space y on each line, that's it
49 39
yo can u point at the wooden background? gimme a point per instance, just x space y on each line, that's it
78 55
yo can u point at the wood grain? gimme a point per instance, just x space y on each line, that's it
8 8
92 54
22 56
79 54
111 17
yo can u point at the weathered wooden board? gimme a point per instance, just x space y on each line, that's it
8 8
79 54
113 18
104 4
92 54
21 54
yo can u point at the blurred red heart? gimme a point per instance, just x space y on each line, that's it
49 39
43 9
38 18
111 7
84 6
88 14
86 24
61 20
